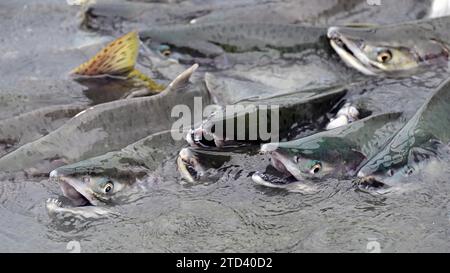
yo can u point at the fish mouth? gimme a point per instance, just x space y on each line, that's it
350 51
74 189
201 137
188 166
282 162
370 181
273 179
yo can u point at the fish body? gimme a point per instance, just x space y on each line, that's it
335 153
214 39
30 126
114 177
112 16
106 127
419 139
265 119
393 50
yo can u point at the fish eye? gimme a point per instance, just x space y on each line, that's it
108 187
166 53
384 56
316 168
165 50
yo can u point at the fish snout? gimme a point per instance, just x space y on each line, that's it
281 161
333 33
335 36
53 174
268 148
275 156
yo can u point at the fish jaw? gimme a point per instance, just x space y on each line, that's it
291 186
349 52
74 189
55 209
282 162
188 166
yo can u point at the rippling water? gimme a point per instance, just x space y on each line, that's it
229 215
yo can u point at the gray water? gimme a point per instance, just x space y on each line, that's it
40 42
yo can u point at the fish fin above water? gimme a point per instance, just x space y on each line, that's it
147 81
182 79
116 58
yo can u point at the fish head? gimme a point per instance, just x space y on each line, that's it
420 162
305 164
168 52
196 165
95 185
393 51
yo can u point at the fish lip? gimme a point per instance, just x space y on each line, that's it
77 192
350 52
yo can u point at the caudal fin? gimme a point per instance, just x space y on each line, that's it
117 58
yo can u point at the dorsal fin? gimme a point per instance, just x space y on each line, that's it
182 79
116 58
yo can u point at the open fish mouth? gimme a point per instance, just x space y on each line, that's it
74 189
282 171
188 166
273 179
370 182
201 137
281 162
204 138
350 52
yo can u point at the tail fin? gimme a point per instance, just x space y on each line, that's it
117 58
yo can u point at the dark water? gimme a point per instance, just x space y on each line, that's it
41 42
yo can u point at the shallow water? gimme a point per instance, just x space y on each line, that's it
41 42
